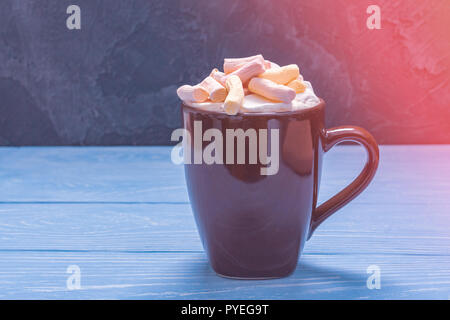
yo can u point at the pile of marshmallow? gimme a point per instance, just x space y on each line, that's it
243 76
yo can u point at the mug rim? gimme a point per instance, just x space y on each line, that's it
317 107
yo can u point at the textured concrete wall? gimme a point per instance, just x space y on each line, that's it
114 81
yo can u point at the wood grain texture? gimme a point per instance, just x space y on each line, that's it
168 275
406 174
122 215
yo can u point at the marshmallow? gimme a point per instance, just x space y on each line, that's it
235 97
256 103
297 85
192 93
249 70
282 75
232 64
271 90
217 92
270 65
218 76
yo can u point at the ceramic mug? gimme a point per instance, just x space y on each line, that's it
255 217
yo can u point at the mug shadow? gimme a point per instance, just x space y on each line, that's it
307 269
304 270
197 280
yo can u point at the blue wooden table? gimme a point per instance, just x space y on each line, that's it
122 216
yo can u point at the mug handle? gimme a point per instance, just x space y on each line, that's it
332 137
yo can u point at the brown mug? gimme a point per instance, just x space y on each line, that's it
254 225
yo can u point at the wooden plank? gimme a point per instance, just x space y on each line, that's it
114 174
407 174
356 229
122 215
153 251
42 275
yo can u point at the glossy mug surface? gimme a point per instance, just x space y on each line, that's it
254 225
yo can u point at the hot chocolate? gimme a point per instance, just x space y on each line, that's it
254 215
266 87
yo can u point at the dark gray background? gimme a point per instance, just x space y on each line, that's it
114 81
